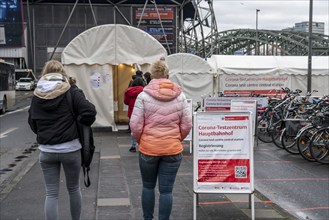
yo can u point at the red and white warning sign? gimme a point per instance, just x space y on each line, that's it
223 152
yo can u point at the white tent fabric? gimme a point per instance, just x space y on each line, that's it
96 83
193 74
227 64
90 57
113 44
271 72
298 65
295 65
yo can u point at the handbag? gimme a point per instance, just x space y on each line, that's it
87 142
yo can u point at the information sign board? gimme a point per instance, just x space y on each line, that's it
11 23
246 105
223 152
150 13
159 22
211 104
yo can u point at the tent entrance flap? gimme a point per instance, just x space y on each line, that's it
122 74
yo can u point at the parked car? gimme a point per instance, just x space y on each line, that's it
25 84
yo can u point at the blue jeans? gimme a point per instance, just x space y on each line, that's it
51 166
163 168
133 142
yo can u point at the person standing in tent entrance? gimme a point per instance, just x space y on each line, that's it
50 118
160 121
139 74
133 77
129 99
147 77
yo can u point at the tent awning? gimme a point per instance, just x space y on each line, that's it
291 65
193 74
113 44
188 64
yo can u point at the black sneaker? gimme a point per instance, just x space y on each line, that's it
132 149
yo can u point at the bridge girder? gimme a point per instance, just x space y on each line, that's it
270 42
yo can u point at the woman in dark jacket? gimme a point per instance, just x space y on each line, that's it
51 119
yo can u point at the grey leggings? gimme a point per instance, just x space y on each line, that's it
51 166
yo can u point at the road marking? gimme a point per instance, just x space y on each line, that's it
273 161
310 209
292 179
185 174
230 202
19 110
4 134
113 202
263 149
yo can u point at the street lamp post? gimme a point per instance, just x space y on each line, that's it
256 45
310 51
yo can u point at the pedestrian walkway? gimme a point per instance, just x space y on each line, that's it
115 190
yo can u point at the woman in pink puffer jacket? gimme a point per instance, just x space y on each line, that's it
160 121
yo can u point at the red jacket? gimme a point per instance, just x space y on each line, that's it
130 97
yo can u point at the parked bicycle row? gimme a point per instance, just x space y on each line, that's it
298 124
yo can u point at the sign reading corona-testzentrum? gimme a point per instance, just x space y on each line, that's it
223 152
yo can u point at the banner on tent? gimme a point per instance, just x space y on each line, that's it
253 84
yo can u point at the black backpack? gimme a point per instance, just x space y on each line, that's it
87 142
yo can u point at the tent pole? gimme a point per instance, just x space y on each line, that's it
92 11
164 33
60 37
140 19
118 10
30 33
33 40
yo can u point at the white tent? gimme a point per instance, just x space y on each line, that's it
267 73
297 69
193 74
90 58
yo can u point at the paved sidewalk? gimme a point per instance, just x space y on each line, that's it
115 190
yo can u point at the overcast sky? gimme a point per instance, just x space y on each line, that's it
273 14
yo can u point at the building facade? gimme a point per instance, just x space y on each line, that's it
317 28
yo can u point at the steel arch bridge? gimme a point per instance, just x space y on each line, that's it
262 42
197 31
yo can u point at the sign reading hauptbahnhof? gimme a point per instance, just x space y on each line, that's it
223 152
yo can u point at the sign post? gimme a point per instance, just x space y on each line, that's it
223 154
189 136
